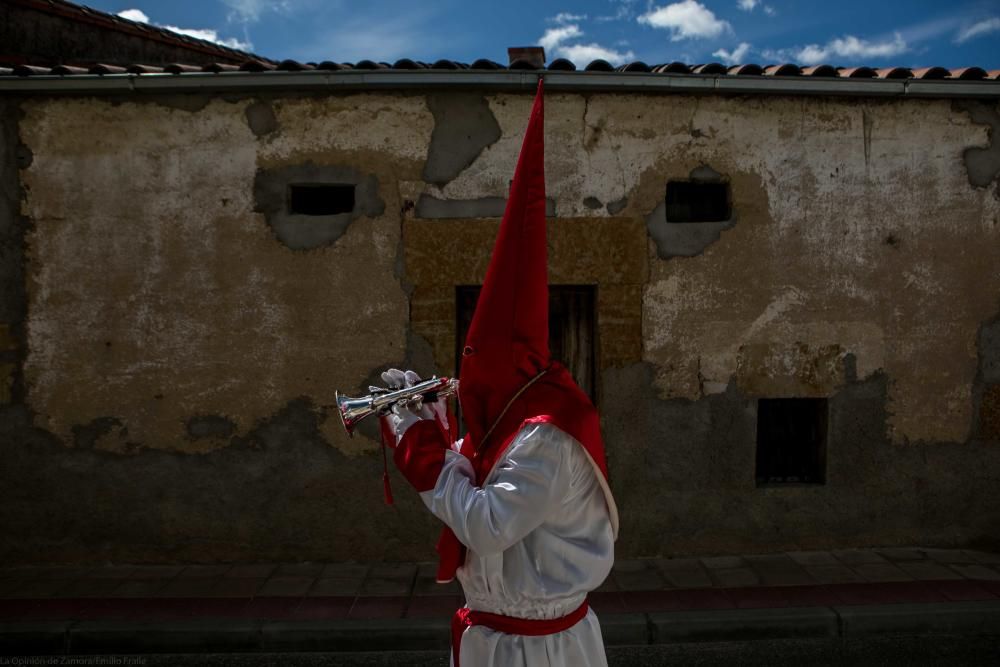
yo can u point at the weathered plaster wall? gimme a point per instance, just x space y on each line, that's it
179 354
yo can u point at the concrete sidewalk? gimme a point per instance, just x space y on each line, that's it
397 606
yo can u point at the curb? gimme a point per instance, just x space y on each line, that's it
675 627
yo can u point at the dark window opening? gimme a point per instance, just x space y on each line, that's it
572 329
693 201
320 198
791 441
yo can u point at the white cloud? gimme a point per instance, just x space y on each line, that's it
976 30
134 15
688 19
623 12
750 5
553 37
584 53
554 41
851 47
735 56
250 11
206 34
210 35
567 17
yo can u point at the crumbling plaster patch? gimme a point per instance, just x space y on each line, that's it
156 293
308 232
463 127
982 162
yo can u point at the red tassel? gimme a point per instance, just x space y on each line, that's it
386 488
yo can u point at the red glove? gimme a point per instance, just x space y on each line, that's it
420 453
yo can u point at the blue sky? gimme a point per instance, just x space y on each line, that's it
851 32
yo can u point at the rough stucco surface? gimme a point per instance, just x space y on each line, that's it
203 311
179 361
855 229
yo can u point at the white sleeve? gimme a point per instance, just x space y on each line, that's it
527 484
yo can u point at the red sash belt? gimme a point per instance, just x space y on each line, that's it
466 618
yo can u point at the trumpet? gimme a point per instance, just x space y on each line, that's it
380 400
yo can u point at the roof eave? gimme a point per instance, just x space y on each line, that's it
352 80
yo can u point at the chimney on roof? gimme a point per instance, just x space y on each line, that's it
534 55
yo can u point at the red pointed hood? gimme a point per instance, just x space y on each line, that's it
501 385
508 340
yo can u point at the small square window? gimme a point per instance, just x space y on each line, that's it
791 441
696 201
320 198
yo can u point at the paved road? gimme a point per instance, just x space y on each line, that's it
888 651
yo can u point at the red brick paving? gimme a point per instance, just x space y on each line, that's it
397 590
383 606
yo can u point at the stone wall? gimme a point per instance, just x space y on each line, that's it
172 337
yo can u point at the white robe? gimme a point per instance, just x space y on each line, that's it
540 538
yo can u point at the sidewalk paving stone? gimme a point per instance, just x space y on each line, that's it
251 570
305 569
812 557
140 587
896 554
880 572
637 575
833 574
91 587
857 556
335 586
346 570
723 562
684 573
155 571
113 572
187 587
344 602
927 570
949 556
64 572
200 571
426 582
389 579
282 586
39 588
779 570
732 578
984 557
235 587
9 584
983 572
